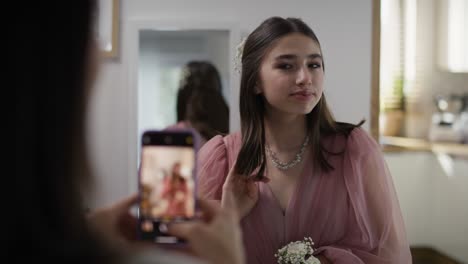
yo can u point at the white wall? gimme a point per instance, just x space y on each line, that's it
434 203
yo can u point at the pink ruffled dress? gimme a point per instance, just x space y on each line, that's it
351 213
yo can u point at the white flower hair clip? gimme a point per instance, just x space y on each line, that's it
238 58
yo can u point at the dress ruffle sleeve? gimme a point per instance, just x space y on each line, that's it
212 167
375 228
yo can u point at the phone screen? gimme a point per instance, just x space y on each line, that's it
166 183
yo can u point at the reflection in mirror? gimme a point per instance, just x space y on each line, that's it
163 67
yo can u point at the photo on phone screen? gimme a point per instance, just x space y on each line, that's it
166 183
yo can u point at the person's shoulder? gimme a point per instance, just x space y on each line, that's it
360 142
219 145
233 139
213 163
223 140
360 132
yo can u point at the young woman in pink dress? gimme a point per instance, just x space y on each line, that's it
293 170
176 192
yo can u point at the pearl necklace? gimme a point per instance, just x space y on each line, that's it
287 165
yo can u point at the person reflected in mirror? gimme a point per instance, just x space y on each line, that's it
49 221
295 172
200 102
177 193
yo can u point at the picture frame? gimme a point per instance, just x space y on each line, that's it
108 28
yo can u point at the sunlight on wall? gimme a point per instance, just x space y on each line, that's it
446 163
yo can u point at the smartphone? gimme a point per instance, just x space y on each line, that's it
166 183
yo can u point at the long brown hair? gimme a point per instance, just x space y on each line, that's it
200 100
51 93
320 121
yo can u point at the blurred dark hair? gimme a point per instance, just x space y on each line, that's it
200 100
51 43
320 121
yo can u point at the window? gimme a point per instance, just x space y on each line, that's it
453 40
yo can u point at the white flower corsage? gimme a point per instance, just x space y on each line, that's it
298 252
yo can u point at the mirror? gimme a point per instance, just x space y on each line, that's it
156 52
162 58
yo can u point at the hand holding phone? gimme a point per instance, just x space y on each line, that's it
166 183
217 237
